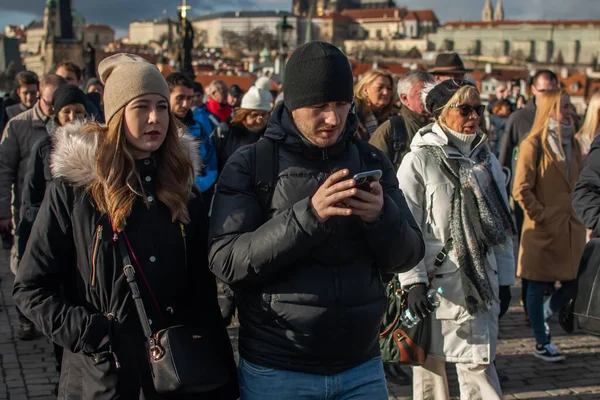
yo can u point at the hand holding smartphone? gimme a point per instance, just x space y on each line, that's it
364 179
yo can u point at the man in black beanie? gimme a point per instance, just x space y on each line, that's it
304 247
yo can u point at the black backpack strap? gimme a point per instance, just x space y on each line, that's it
399 138
265 160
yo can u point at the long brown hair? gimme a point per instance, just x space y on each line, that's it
118 185
547 107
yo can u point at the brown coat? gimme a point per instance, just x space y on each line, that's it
553 237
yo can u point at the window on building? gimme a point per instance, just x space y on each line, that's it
378 34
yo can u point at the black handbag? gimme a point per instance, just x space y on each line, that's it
183 358
398 343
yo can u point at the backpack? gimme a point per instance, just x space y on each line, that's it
399 139
265 167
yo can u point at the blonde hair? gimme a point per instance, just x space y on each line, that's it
462 95
361 98
118 185
591 125
547 107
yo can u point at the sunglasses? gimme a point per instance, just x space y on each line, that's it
466 109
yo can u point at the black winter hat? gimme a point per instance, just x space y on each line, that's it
316 73
441 93
68 94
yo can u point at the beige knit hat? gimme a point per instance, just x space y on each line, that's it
127 76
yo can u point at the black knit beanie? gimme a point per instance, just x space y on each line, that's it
68 94
316 73
441 94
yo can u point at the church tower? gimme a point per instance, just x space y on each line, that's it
499 13
487 15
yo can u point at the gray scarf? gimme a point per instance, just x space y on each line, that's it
479 220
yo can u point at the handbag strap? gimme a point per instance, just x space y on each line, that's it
129 272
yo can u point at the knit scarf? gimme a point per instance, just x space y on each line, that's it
222 112
479 220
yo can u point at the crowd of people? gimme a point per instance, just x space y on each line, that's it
183 183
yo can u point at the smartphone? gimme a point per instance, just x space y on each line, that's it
364 179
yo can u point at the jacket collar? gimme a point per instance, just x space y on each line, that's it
434 135
74 154
39 119
282 129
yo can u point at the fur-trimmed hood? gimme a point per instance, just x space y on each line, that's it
73 156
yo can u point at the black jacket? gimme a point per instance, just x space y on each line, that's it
311 297
34 187
517 127
586 196
228 138
71 276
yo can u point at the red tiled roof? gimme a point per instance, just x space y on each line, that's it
411 16
336 17
375 13
495 24
396 69
426 15
243 82
99 27
576 79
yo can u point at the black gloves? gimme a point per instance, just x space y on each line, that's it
418 304
505 298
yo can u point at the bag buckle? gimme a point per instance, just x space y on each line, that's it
441 256
156 352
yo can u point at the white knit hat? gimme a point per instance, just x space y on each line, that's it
257 99
263 83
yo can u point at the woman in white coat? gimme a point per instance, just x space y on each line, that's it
454 187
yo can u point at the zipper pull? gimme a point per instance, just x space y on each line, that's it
182 229
325 154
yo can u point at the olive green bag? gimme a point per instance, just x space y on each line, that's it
398 343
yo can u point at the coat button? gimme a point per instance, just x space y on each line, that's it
150 199
148 179
146 162
485 359
149 321
170 310
152 258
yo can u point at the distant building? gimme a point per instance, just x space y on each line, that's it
568 42
212 26
393 23
333 28
144 32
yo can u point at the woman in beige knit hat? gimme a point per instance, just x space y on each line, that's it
132 182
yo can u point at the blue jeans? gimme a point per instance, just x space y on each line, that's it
366 381
535 305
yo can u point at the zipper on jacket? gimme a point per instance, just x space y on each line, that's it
430 221
183 236
97 241
325 154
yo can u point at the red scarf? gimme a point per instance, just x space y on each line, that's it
222 112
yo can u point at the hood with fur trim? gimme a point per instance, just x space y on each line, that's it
73 156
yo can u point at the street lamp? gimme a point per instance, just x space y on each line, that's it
284 31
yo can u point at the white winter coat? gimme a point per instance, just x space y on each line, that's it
456 335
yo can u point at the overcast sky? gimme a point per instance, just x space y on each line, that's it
119 13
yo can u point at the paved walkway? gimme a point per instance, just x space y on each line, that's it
27 369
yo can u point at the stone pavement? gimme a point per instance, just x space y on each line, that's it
27 369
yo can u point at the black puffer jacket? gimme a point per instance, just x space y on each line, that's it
228 138
311 295
71 277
